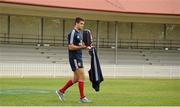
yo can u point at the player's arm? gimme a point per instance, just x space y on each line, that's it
75 47
71 45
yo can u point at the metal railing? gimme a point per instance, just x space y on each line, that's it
58 40
139 43
30 39
56 70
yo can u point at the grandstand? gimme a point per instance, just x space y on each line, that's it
33 42
18 59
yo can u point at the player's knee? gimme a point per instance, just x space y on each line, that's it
75 81
80 74
81 77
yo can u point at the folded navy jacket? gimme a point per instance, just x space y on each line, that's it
95 73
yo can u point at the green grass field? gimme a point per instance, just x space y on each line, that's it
121 92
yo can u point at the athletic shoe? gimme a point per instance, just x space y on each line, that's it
84 100
60 95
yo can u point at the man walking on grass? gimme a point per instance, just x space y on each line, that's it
75 47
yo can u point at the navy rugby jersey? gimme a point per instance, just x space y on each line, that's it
75 37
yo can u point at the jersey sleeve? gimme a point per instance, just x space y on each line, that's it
71 37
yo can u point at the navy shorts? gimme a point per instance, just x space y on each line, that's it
76 63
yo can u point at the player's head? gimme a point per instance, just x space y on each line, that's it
79 23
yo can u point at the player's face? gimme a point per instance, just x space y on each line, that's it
80 25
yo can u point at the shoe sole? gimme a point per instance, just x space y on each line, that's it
85 102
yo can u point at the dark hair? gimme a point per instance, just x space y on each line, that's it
78 19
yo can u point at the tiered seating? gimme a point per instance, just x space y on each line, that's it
34 54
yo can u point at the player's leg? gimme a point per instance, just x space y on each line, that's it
62 90
80 73
75 77
81 78
69 84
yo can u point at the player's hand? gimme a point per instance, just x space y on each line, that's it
83 46
89 47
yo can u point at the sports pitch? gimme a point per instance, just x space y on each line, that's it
114 92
